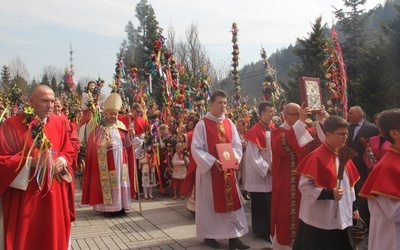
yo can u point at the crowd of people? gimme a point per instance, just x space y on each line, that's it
308 177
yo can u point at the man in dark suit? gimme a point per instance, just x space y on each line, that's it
359 127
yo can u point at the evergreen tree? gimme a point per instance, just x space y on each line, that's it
140 41
79 89
19 75
21 83
390 72
5 79
55 86
379 88
139 47
352 23
373 86
312 54
147 32
45 80
33 84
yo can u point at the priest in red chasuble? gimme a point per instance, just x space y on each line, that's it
328 206
108 182
35 177
382 188
290 143
219 210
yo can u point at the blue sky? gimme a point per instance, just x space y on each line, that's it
40 32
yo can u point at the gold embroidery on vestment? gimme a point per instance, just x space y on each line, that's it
125 172
227 173
292 188
103 171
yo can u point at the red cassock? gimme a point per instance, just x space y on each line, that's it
34 219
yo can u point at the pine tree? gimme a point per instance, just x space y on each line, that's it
55 86
5 79
352 23
79 88
140 41
139 46
390 73
312 54
21 83
33 84
45 80
378 88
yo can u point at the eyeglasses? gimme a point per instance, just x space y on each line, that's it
294 114
341 134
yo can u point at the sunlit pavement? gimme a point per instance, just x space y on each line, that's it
164 224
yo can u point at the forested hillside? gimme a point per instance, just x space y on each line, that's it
252 75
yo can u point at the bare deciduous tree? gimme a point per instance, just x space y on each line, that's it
193 56
171 39
53 71
18 67
19 74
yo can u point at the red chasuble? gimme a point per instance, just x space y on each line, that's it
384 178
225 195
286 153
34 219
320 165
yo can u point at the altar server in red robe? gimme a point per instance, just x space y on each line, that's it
259 170
382 188
38 216
327 206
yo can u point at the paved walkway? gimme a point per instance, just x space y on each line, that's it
164 224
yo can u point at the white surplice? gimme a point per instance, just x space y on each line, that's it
258 162
384 228
321 213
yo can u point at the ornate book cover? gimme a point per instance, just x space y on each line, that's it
311 94
226 155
